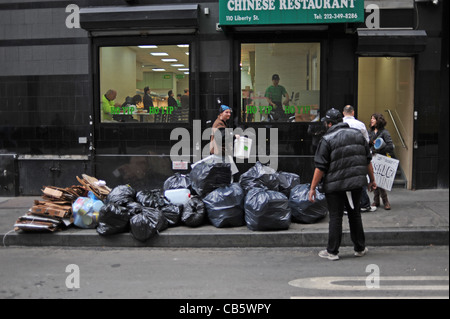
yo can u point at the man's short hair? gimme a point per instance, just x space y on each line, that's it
348 109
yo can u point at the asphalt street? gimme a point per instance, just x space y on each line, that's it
246 274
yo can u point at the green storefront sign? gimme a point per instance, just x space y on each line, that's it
259 12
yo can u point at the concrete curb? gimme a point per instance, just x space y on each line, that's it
227 239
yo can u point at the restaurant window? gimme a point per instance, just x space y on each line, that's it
144 84
280 82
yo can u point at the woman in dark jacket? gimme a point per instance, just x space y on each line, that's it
377 130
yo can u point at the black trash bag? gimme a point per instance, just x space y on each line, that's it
147 224
177 181
267 210
113 220
260 176
121 195
155 199
206 177
194 212
151 198
163 223
172 213
225 206
134 208
287 182
304 211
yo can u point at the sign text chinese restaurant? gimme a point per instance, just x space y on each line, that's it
260 12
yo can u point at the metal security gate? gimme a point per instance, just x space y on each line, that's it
36 171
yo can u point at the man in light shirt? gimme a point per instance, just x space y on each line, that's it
349 118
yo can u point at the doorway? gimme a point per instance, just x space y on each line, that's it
386 86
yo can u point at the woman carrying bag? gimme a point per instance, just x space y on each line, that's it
380 142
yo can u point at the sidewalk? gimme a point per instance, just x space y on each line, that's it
417 218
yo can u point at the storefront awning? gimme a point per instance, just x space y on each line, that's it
391 42
128 19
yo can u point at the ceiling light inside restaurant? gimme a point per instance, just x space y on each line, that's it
159 53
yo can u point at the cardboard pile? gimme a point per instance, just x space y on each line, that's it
57 201
92 184
35 223
54 211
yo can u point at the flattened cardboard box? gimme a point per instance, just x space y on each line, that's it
49 209
36 223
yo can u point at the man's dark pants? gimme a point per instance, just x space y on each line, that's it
365 200
336 202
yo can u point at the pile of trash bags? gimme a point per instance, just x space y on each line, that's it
272 198
263 199
145 213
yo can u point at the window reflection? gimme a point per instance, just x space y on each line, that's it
280 82
144 84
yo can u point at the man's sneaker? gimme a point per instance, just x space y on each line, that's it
326 254
361 253
369 209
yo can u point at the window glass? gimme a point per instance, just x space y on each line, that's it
144 84
280 82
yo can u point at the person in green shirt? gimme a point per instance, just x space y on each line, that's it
274 95
108 103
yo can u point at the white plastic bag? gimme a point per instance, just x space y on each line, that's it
242 147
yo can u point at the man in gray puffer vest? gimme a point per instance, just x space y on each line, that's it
342 161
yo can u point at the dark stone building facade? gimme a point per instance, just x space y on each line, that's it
51 84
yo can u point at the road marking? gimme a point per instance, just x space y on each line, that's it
371 297
339 283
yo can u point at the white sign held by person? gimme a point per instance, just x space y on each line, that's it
384 169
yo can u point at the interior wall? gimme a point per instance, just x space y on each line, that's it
293 76
366 90
139 72
386 83
122 77
297 64
182 84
